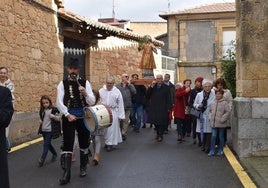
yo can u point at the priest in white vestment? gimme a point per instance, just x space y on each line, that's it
111 97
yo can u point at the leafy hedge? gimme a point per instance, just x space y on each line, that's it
229 68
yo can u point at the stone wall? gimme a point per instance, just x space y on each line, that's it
31 50
252 51
114 62
250 133
250 126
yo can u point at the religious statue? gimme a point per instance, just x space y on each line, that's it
147 63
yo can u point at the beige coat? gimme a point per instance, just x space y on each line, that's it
219 113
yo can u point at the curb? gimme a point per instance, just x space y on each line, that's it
26 144
240 172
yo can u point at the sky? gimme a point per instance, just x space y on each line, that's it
133 10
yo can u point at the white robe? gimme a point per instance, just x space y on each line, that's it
114 100
198 100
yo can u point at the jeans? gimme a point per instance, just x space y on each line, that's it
213 138
47 145
137 109
181 127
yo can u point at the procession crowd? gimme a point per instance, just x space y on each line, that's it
201 111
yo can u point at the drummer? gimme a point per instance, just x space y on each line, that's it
73 94
112 97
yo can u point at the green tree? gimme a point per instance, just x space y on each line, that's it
229 68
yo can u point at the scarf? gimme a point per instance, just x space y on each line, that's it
205 101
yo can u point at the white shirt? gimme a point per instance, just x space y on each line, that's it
90 98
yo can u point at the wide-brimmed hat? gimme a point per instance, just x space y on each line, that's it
73 63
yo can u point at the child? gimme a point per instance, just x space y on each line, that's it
49 119
219 114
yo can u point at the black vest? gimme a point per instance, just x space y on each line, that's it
72 97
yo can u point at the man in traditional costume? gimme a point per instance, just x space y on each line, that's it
73 94
112 97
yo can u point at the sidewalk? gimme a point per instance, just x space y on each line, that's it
250 170
257 169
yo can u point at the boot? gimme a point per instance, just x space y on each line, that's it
83 162
96 159
65 161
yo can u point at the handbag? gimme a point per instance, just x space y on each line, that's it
187 110
194 112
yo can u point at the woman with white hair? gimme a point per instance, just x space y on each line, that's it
203 101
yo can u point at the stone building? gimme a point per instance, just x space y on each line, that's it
37 39
250 118
197 37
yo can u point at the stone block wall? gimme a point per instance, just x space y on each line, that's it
250 133
114 62
252 48
31 50
250 126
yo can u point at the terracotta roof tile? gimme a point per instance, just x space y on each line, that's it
211 8
113 31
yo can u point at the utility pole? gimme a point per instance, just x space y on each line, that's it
113 13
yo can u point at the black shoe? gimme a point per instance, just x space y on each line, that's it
124 137
144 126
109 148
136 130
95 162
40 162
65 161
83 172
54 158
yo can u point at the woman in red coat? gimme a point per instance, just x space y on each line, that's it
181 100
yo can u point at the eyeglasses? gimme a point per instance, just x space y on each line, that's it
126 76
109 83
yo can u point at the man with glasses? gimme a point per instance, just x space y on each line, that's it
128 91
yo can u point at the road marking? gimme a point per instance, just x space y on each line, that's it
26 144
240 172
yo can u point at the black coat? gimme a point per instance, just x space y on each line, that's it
160 104
6 112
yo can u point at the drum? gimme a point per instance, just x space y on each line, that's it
98 117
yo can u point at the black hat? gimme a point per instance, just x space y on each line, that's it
73 63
